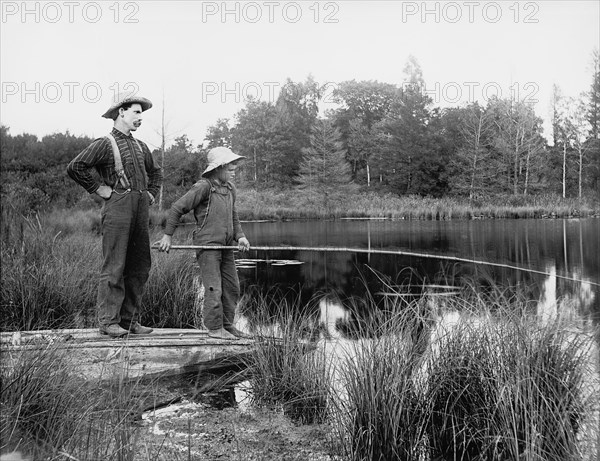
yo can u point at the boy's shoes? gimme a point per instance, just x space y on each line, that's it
222 333
238 333
114 330
137 329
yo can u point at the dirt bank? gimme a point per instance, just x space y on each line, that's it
191 430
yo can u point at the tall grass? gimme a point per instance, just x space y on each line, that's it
49 275
490 385
50 413
380 414
170 298
509 391
460 393
284 369
50 266
545 400
278 205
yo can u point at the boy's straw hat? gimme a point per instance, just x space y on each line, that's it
126 97
219 156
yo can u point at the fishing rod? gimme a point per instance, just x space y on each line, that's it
376 251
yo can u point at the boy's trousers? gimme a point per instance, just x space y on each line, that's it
221 287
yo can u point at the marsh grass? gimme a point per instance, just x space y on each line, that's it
170 295
286 370
278 205
50 276
509 390
380 414
48 412
545 399
460 393
492 382
471 377
48 279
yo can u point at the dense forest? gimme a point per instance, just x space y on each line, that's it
383 137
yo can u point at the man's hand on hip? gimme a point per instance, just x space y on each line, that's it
104 191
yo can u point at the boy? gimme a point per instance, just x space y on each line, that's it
213 201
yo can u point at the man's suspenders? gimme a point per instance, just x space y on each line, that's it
122 178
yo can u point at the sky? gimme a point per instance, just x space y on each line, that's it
62 62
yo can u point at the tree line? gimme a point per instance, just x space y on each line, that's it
381 137
394 140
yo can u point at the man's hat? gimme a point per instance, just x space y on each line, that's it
126 97
219 156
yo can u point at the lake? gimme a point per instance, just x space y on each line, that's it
555 248
553 265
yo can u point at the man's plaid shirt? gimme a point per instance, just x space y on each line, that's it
140 168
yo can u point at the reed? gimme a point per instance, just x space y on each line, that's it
283 369
488 382
547 394
48 278
461 392
171 296
282 205
50 412
380 413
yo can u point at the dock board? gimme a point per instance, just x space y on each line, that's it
161 353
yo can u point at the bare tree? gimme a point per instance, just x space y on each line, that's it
476 126
361 143
517 137
165 138
581 131
162 150
570 128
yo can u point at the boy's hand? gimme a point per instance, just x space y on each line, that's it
243 244
165 243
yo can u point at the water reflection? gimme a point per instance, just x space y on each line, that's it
576 304
547 308
567 247
332 314
553 311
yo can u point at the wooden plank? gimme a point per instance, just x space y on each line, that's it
161 353
93 332
83 335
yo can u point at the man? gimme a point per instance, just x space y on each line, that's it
127 197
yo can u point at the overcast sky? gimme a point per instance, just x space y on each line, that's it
61 62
